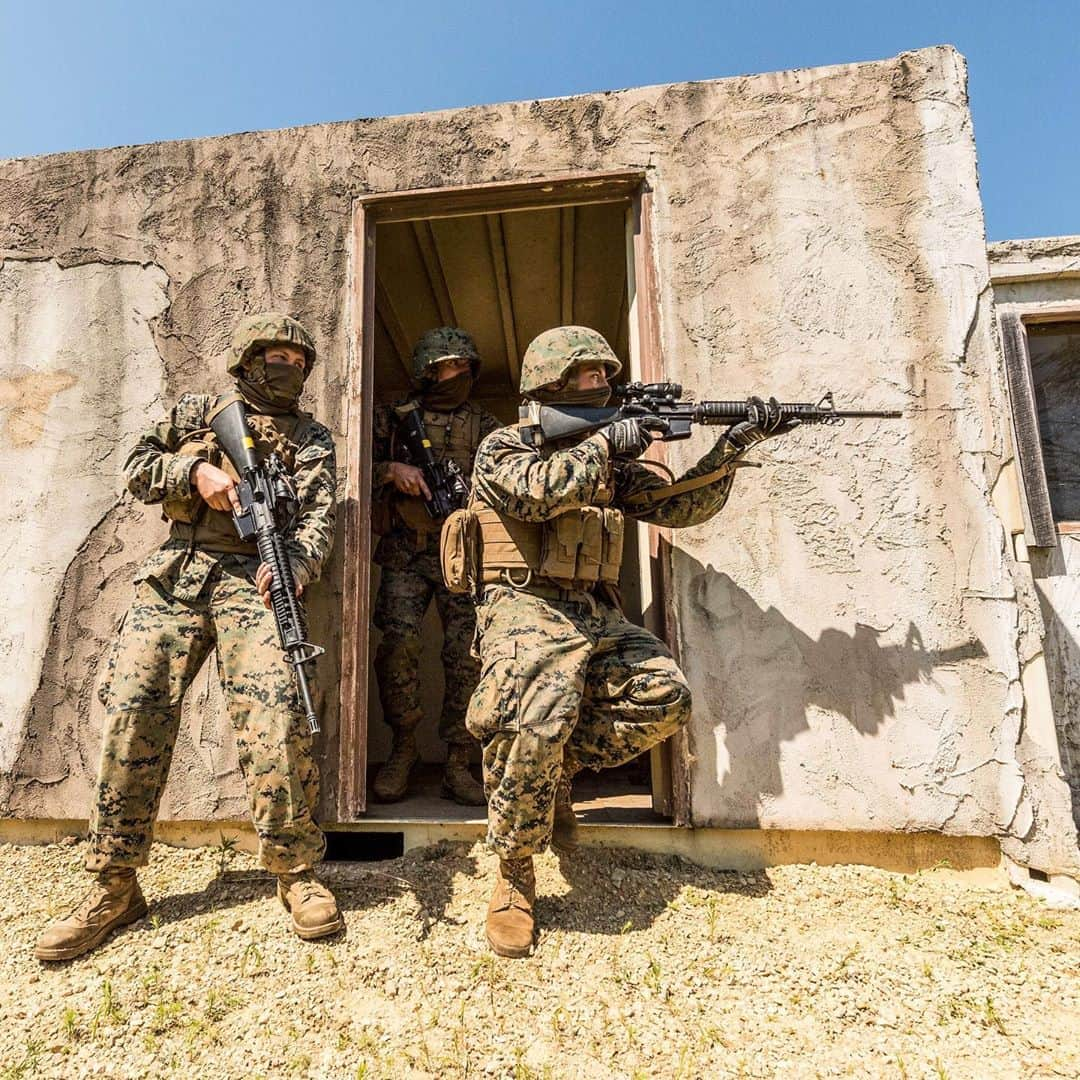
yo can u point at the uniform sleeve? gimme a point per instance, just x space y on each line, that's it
679 511
515 480
488 423
315 475
383 423
154 470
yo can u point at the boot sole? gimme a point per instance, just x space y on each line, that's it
508 951
130 916
310 933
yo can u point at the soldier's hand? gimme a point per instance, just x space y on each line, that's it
628 437
765 420
408 479
264 578
217 488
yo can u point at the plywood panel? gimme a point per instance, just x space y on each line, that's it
533 243
403 275
600 270
462 244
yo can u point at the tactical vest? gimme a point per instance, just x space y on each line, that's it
576 550
195 523
454 436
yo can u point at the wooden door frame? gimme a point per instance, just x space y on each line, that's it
626 186
1041 530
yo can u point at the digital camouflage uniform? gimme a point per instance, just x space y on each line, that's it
561 668
197 594
409 559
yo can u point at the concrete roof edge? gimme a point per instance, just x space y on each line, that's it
434 113
1033 259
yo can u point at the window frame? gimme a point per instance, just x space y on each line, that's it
1041 530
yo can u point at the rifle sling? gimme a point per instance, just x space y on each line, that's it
645 500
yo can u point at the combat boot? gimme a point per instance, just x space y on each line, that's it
510 924
392 780
564 833
312 905
459 783
115 899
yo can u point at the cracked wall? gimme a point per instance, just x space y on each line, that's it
853 625
80 375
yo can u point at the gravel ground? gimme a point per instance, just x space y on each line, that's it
647 967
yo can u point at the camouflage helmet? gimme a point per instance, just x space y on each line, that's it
552 354
268 328
443 343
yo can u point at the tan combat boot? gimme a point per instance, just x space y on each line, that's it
314 910
564 834
392 780
459 783
114 900
510 925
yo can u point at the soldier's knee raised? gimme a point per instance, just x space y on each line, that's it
667 692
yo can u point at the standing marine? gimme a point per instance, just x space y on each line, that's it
567 682
445 365
206 590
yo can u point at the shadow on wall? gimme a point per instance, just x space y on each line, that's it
1059 599
765 687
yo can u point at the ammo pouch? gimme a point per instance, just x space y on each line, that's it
459 551
578 548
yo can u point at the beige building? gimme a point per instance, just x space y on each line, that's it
880 629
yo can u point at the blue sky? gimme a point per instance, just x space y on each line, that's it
110 72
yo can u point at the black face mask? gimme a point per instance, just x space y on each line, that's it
272 388
447 395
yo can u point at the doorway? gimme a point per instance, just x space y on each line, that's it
504 262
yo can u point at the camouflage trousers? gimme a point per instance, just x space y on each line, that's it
163 642
400 606
562 676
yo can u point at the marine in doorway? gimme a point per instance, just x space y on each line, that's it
206 590
567 682
445 365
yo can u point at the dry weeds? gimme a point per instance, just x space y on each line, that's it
647 967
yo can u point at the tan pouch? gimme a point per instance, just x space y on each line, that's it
459 551
559 546
611 557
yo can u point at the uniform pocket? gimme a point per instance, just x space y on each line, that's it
495 702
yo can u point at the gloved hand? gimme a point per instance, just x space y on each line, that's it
765 421
627 438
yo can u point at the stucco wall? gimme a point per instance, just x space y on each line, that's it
854 626
1041 277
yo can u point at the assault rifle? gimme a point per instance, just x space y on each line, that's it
445 480
268 506
661 409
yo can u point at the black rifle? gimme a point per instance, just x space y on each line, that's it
268 506
445 480
660 408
